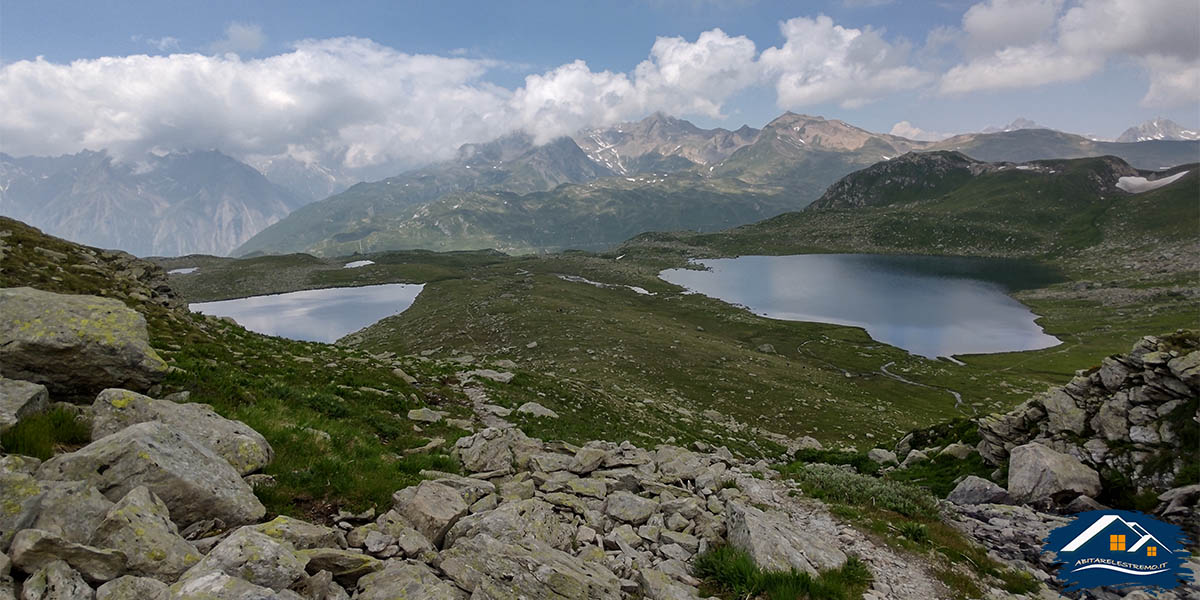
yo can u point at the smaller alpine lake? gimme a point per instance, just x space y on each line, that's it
928 305
315 315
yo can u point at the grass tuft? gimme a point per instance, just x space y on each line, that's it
40 435
731 573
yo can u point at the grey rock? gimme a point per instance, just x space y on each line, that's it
527 568
20 499
215 585
588 459
56 581
72 510
140 526
321 587
255 557
75 345
300 534
410 581
977 490
1187 368
470 488
1111 421
914 456
15 463
1037 474
431 508
807 443
515 520
536 410
346 566
129 587
489 374
775 544
33 549
677 464
1062 413
493 449
425 415
958 450
19 400
194 483
244 448
881 456
629 508
1113 373
657 585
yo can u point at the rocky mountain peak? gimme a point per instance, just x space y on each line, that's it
1158 129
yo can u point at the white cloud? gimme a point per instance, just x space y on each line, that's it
998 24
240 38
1026 43
823 62
905 129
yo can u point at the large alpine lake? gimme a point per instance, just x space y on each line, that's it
928 305
315 315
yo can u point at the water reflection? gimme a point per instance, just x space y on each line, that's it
931 306
315 315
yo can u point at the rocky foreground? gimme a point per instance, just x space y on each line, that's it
161 504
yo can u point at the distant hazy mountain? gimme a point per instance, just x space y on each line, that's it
511 163
180 203
1042 144
1158 129
660 143
1018 123
309 181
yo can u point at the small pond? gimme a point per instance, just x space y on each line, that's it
315 315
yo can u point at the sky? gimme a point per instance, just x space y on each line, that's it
361 84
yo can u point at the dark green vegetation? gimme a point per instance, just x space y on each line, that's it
906 518
41 435
731 573
335 416
660 174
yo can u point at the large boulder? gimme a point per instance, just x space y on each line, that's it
775 544
515 520
56 581
33 549
244 448
629 508
526 568
194 483
140 526
977 490
431 507
20 399
345 565
495 450
410 581
1037 474
1062 413
254 557
75 345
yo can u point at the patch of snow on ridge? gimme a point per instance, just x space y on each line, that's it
358 263
183 271
578 279
1137 185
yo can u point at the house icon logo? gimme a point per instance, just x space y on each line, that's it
1119 548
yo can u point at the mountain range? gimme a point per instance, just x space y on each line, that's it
603 186
1158 129
589 191
178 203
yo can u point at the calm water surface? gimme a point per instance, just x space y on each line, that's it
315 315
929 305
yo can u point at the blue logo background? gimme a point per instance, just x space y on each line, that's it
1119 548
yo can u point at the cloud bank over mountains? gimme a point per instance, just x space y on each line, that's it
355 103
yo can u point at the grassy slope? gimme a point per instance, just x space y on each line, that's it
287 390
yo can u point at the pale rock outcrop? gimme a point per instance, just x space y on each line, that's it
254 557
194 483
34 549
75 345
244 448
56 581
526 568
774 544
431 507
1039 474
